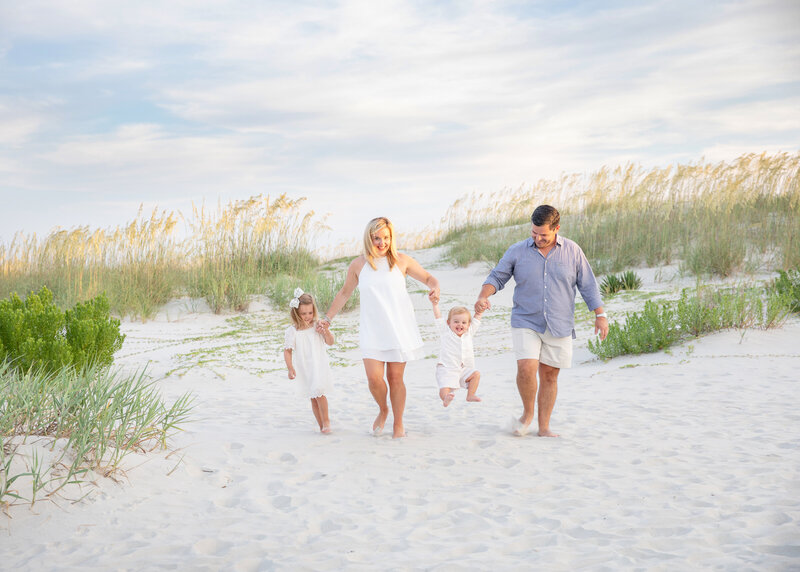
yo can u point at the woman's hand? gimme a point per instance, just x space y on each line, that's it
433 295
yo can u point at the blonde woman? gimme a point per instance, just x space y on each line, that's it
388 334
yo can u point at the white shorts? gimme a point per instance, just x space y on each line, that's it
453 377
548 349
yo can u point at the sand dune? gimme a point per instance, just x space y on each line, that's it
687 460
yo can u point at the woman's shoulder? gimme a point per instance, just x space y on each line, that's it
357 264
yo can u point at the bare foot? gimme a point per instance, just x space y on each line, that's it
325 429
399 431
519 428
380 421
473 398
547 433
447 399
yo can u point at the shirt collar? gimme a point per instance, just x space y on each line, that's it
559 241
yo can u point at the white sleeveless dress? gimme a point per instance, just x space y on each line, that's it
310 361
389 330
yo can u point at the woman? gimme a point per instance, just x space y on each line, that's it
388 335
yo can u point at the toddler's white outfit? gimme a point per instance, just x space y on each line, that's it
310 361
456 356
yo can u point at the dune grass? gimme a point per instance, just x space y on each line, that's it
715 219
225 255
57 428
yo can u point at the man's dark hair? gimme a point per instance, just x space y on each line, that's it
546 215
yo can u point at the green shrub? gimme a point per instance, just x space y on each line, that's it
788 285
37 333
659 326
651 330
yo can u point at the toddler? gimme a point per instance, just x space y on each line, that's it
456 366
306 356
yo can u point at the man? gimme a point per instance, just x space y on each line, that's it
546 268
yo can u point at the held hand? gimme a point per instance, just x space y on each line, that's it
322 326
433 295
601 325
482 305
292 373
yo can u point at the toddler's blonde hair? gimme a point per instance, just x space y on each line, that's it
458 310
304 299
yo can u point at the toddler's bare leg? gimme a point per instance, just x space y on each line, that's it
446 394
472 386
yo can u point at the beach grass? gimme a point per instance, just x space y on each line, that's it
58 428
224 255
715 219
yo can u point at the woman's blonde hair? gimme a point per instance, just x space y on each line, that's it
374 226
295 312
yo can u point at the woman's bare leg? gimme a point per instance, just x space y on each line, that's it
377 387
397 395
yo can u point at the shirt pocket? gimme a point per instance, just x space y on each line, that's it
562 272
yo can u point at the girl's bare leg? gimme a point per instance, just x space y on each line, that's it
317 413
472 386
322 405
377 387
397 395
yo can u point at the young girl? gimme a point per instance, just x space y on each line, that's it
306 357
456 366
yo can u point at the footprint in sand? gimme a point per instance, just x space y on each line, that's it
282 502
211 547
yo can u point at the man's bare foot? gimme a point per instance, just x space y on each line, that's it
447 399
547 433
473 398
399 431
380 421
519 428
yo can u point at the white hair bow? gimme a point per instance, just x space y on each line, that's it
295 302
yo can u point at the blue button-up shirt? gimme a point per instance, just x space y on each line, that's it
544 296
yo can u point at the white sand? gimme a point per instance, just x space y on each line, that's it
687 460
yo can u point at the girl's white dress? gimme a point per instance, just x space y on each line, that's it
389 330
310 361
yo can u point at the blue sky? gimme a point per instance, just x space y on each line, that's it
370 108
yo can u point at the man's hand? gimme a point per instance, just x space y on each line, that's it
482 305
601 325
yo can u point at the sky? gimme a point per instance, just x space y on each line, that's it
371 108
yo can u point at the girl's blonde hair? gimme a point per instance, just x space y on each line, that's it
458 310
295 312
374 226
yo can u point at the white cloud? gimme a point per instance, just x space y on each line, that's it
207 98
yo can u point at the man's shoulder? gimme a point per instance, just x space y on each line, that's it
569 245
521 245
